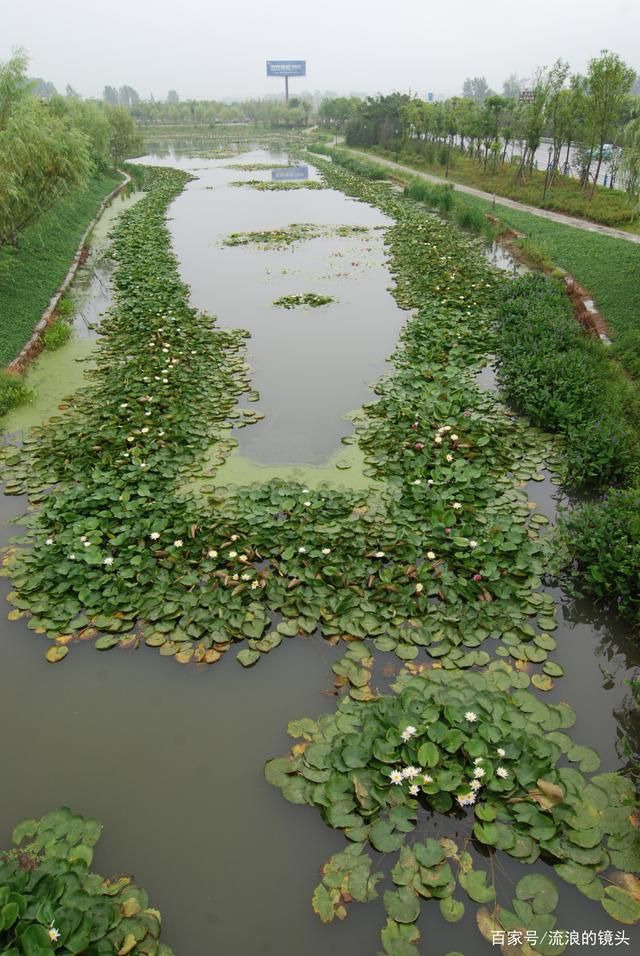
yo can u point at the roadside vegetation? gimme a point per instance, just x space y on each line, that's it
490 141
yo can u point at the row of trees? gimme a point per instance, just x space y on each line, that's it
51 146
595 114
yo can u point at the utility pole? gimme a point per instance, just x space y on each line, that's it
286 89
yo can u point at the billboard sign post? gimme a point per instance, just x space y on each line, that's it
286 68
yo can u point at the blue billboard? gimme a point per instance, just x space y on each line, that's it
290 172
286 67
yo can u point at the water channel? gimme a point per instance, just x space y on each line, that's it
170 758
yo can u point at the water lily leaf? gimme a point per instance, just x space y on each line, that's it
247 657
323 902
402 905
428 755
574 873
488 924
622 906
430 853
588 759
475 884
383 838
451 909
398 939
106 642
627 881
540 890
56 653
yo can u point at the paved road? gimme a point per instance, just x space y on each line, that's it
503 201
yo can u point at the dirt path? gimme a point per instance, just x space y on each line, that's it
502 200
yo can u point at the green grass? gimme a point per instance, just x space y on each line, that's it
31 273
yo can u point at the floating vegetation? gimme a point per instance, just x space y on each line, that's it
51 902
311 299
257 167
296 232
266 184
274 238
445 556
445 742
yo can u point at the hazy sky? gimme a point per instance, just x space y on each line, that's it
214 49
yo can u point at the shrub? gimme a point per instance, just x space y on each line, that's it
57 334
603 539
13 392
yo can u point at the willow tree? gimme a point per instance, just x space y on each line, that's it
41 156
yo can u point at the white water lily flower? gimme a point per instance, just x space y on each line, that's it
326 550
414 790
83 537
245 577
417 482
408 733
466 799
165 381
470 716
165 350
449 458
501 752
108 561
243 558
254 585
144 430
446 428
143 464
431 555
419 588
426 778
396 776
453 437
430 481
154 535
124 404
479 772
473 544
178 543
72 557
502 772
302 550
160 432
410 772
87 544
438 439
234 537
457 505
54 934
212 553
147 413
379 554
233 554
305 491
306 503
477 761
130 438
475 784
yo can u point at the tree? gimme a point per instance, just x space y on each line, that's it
630 162
125 139
476 89
511 87
110 95
42 88
608 81
41 155
172 97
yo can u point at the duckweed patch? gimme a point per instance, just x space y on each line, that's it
310 299
50 901
447 740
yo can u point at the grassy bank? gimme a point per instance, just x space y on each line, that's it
610 207
31 273
607 267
